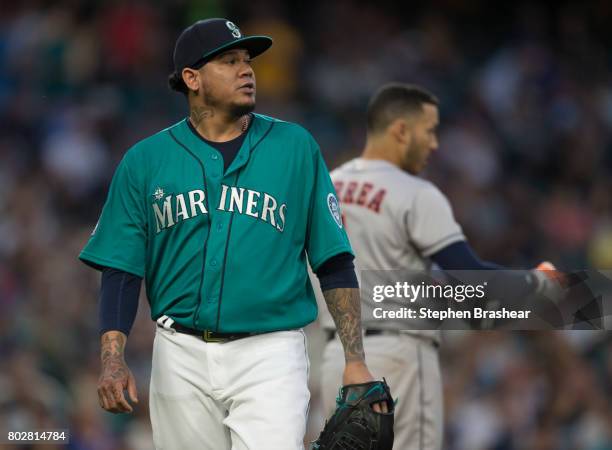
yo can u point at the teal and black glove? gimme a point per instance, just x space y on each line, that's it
355 425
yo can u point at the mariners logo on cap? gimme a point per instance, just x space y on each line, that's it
234 29
334 209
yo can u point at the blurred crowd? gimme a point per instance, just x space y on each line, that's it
525 158
529 390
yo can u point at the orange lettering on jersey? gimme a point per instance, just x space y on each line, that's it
365 190
350 192
376 201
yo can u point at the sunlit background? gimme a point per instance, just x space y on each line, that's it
525 158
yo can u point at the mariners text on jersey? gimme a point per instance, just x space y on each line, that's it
171 210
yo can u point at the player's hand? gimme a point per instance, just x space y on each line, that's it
551 272
114 379
551 281
357 372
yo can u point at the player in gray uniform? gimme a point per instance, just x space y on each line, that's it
396 220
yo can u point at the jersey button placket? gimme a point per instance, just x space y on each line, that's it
214 245
214 263
216 172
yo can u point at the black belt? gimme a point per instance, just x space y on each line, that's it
331 334
209 336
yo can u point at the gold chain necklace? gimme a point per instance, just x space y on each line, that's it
245 122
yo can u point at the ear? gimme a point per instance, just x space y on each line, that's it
191 77
400 130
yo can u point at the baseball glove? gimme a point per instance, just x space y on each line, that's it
355 425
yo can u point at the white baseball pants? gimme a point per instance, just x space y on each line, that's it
250 393
412 370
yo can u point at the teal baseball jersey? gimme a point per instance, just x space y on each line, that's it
222 251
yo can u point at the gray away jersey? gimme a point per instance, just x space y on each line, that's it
394 220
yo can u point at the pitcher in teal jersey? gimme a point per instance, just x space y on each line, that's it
219 214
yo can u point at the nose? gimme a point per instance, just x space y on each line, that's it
434 144
246 70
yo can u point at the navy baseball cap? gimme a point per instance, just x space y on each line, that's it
205 39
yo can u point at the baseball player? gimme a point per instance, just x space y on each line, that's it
218 213
396 220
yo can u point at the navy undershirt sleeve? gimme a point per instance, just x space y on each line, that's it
460 256
119 293
338 272
504 283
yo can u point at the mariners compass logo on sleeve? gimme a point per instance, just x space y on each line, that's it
334 209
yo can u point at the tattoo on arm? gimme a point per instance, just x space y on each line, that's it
199 113
112 346
344 306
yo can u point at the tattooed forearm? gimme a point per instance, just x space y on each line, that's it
112 346
345 307
199 113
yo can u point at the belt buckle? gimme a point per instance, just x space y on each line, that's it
207 336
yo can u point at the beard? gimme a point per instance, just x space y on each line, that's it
239 110
414 158
235 110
